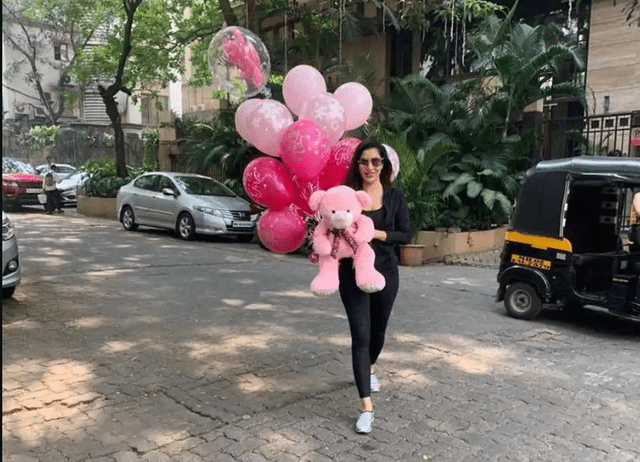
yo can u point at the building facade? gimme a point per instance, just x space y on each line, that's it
85 127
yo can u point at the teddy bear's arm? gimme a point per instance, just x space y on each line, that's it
321 241
365 230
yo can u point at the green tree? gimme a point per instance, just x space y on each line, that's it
519 67
137 53
31 27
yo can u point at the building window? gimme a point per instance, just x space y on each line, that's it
145 108
150 108
60 52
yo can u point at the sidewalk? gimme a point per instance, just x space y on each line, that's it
489 259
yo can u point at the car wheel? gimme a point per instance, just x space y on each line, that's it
185 227
522 301
8 292
128 219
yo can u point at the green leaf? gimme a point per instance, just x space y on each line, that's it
489 197
458 184
504 202
473 189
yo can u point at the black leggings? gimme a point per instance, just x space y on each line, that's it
368 315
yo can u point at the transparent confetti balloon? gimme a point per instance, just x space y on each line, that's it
239 62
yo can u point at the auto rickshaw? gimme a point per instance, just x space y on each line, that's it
574 239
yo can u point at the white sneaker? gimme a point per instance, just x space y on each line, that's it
375 385
363 424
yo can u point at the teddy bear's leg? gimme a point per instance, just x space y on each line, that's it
368 278
327 281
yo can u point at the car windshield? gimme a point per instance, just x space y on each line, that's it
17 166
202 186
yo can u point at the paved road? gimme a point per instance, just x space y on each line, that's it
126 347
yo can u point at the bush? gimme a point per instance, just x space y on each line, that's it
41 136
103 180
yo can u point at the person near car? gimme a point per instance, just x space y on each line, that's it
368 313
49 185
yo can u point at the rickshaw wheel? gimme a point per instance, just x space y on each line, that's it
522 301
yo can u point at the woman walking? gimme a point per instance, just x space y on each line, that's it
368 314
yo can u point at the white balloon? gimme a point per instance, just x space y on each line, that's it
395 161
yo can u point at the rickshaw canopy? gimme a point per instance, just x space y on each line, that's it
540 206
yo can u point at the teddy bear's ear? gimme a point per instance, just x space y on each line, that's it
363 198
314 200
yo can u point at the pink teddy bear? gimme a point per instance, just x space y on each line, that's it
341 233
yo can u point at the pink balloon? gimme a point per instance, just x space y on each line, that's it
282 231
266 121
269 183
242 118
334 173
304 148
326 111
301 84
357 102
395 161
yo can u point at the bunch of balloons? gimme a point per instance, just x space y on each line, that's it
303 139
305 146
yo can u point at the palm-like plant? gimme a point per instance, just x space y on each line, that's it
520 67
456 133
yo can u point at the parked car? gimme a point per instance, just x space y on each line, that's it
69 188
21 184
64 170
186 203
10 259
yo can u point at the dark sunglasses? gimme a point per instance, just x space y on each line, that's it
375 162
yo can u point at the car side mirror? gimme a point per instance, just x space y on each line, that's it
169 192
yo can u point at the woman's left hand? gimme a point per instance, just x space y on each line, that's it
380 235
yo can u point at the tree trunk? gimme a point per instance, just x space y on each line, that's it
227 13
108 98
252 18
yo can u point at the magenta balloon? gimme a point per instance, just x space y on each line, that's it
304 148
301 84
282 231
266 121
326 111
269 183
242 118
357 102
304 189
334 173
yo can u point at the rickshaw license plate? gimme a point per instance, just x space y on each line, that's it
532 262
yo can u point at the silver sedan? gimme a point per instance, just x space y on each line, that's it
186 203
10 258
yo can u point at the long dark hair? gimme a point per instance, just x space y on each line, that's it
354 179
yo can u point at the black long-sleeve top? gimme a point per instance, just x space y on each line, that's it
393 218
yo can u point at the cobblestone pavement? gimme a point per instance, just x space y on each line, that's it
123 347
